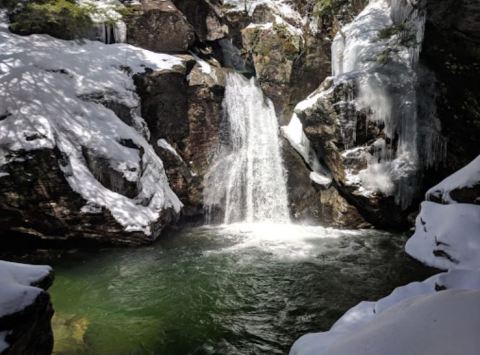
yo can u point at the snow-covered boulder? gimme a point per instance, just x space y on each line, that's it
462 186
75 162
25 309
447 233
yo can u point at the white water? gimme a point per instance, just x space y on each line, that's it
247 180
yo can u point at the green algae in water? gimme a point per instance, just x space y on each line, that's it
221 290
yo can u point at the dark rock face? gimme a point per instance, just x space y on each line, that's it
450 51
38 204
185 114
157 25
164 103
313 204
204 17
30 330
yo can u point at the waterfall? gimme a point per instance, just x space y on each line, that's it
247 180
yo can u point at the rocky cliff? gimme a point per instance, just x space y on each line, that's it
375 100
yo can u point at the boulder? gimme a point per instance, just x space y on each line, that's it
157 25
205 18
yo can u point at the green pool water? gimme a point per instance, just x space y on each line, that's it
221 290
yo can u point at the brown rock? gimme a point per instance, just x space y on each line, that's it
157 25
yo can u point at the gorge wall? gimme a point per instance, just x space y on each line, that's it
339 146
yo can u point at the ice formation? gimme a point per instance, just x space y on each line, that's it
46 87
295 135
247 177
375 58
108 24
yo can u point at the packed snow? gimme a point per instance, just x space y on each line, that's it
45 86
466 177
16 290
438 316
447 234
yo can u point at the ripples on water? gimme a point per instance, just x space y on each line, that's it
240 289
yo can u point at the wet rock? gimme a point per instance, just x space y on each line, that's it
274 49
310 203
70 333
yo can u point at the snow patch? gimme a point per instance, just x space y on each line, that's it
468 176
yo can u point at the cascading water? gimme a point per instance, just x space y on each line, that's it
247 180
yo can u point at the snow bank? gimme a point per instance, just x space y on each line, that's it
16 290
448 235
46 85
449 322
413 319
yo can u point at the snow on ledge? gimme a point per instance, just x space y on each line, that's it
463 178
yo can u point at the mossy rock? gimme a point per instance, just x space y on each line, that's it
59 18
